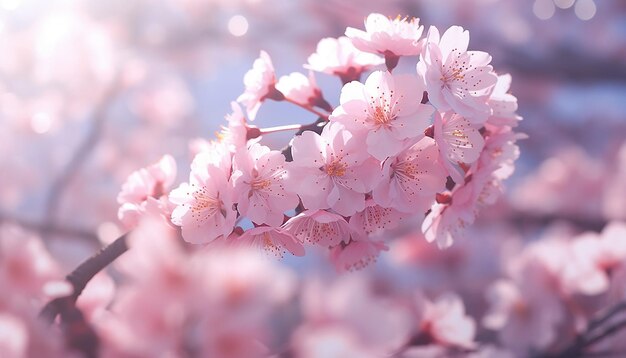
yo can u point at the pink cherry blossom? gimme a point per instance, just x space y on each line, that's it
350 306
330 170
216 302
319 227
613 241
259 82
143 185
386 110
356 255
613 205
458 142
303 90
25 264
235 134
583 273
593 259
411 179
389 37
375 219
503 104
500 151
339 57
446 222
526 318
481 188
272 240
456 79
445 321
258 178
204 205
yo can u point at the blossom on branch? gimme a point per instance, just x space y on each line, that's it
339 57
456 79
386 111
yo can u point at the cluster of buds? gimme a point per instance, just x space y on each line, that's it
429 145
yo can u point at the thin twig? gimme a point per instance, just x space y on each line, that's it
50 228
606 333
603 317
587 339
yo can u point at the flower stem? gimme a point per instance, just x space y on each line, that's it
308 108
288 127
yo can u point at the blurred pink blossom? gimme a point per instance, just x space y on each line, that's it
339 57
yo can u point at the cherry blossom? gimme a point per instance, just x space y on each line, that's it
25 264
356 255
503 104
235 134
375 219
303 90
411 179
445 321
339 57
389 37
386 110
272 240
350 306
172 295
446 222
259 191
260 84
456 79
204 208
319 227
458 142
330 170
143 185
525 316
459 208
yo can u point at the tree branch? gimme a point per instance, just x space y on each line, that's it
81 276
50 228
589 337
80 156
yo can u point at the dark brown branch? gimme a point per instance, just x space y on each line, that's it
79 335
83 274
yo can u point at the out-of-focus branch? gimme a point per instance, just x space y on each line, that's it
81 154
594 333
528 218
50 228
79 278
79 335
565 63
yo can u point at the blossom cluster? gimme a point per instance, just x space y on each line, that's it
432 143
221 301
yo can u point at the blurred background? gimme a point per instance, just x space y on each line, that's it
92 90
